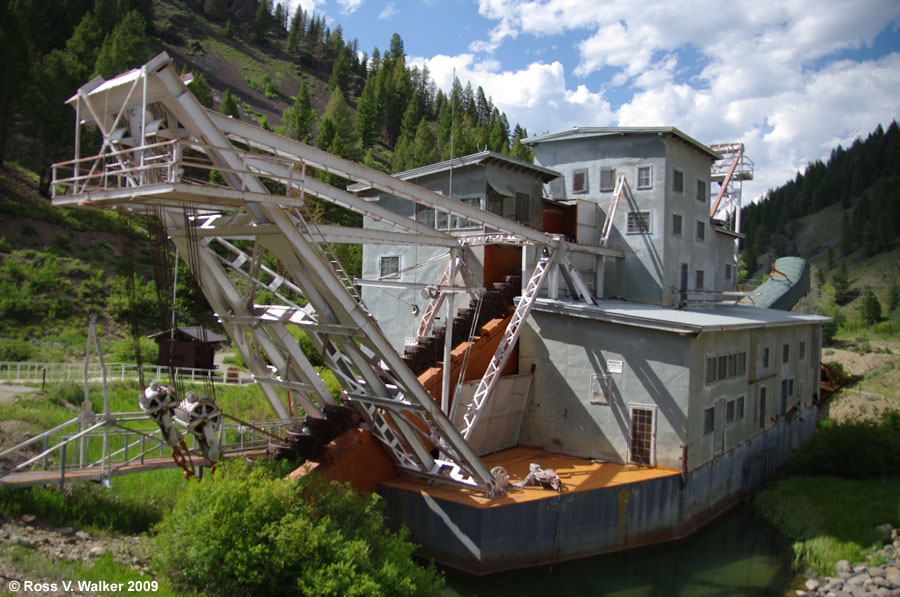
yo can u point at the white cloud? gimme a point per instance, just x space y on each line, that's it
535 96
349 6
388 11
768 74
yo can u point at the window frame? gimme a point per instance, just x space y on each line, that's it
576 172
728 271
381 263
677 177
644 216
680 224
649 184
701 190
709 419
785 353
604 187
699 276
700 232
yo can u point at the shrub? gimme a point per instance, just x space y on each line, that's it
15 350
246 531
5 246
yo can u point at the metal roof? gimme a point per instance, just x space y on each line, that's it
688 321
581 132
473 159
196 332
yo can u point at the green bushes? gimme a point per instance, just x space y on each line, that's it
247 531
853 449
15 350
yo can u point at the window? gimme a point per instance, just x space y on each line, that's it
523 206
709 420
607 180
641 435
678 181
644 177
784 396
727 271
762 408
425 215
458 223
390 267
701 231
785 353
580 181
739 408
698 282
701 190
725 366
676 224
729 412
765 358
639 222
600 389
802 354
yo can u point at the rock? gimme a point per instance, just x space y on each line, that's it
800 593
97 550
876 571
857 580
16 540
812 584
834 585
28 518
82 535
66 531
884 530
843 566
842 594
860 568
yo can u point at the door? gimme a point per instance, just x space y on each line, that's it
683 281
642 437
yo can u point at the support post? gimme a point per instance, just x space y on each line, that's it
448 337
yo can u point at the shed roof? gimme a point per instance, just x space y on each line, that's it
688 321
473 159
580 132
195 332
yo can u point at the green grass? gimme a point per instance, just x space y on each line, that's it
828 519
104 568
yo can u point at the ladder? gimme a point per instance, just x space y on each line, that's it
621 189
507 343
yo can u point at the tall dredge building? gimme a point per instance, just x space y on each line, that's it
547 361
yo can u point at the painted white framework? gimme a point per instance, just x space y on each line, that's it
156 135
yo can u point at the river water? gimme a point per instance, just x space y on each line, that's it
737 554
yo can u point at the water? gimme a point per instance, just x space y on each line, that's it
736 554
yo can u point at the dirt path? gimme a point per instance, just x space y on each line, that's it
9 392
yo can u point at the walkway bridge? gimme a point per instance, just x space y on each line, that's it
159 144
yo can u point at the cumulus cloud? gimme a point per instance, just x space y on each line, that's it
773 75
349 6
388 11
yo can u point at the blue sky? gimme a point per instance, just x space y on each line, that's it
790 79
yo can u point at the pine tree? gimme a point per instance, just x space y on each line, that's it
228 32
217 10
84 46
261 21
298 26
200 88
344 134
341 73
368 114
126 47
280 17
893 297
229 105
841 283
300 118
870 308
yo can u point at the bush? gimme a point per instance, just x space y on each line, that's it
854 449
246 531
15 350
123 351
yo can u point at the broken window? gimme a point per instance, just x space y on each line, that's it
639 222
523 208
676 224
727 271
765 358
785 353
729 412
699 279
701 190
701 231
425 215
739 408
802 353
762 408
641 435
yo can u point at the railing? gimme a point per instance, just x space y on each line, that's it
24 372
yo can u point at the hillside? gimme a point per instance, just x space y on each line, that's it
843 217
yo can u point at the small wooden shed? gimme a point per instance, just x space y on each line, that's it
191 347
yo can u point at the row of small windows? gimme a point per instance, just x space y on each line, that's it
734 412
678 185
644 178
515 208
725 366
785 354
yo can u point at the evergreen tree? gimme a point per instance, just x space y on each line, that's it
841 283
280 17
344 137
893 297
521 152
126 47
261 21
368 114
870 308
217 10
228 31
298 26
84 46
300 118
229 105
200 88
396 48
341 73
